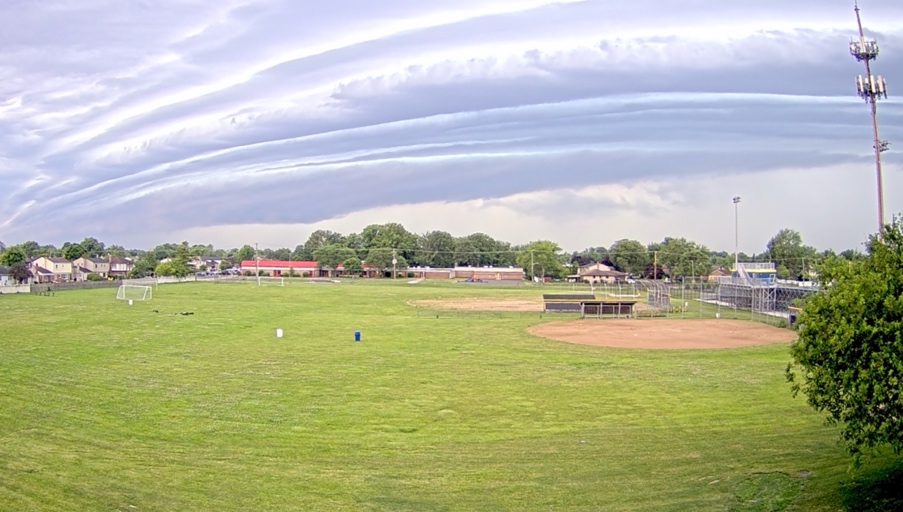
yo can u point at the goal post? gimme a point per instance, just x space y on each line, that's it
270 281
134 292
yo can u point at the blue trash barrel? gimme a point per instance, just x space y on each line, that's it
357 335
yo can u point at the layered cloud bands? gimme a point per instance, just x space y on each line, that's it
134 122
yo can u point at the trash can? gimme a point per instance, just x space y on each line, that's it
357 335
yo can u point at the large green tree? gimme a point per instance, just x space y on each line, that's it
390 236
848 360
318 239
179 263
331 255
540 259
684 258
436 249
20 272
789 254
93 247
144 265
629 256
352 266
73 251
381 258
13 255
245 253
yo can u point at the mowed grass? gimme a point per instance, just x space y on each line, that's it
104 406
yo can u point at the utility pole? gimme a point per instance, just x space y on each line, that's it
871 88
654 265
532 267
257 263
394 263
736 236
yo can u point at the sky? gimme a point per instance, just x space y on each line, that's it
579 121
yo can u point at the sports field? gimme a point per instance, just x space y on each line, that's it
105 406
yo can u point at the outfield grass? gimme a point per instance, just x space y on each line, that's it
109 407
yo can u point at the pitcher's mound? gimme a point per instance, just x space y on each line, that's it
664 334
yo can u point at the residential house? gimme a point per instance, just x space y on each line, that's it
206 264
719 272
84 266
120 267
51 270
597 273
5 278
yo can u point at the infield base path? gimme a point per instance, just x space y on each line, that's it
663 334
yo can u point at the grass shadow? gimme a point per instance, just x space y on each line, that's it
875 491
766 492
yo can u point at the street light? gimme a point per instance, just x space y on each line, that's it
736 236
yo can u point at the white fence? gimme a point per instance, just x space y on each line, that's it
24 288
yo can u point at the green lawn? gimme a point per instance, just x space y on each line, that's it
104 406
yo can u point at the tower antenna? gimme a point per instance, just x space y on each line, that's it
871 88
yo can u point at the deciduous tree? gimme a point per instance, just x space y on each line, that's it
848 360
786 249
93 248
331 255
20 272
436 249
629 256
245 253
12 256
353 266
144 265
684 258
540 259
73 251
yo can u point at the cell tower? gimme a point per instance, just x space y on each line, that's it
871 88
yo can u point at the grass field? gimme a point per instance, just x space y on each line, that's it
104 406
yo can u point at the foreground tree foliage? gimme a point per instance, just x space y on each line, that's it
848 359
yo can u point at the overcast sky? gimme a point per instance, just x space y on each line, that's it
583 122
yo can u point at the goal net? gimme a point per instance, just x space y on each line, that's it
134 292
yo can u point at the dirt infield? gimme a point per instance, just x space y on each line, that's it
482 304
663 334
493 304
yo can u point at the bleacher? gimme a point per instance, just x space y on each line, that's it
565 302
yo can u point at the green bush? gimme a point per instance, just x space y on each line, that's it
93 277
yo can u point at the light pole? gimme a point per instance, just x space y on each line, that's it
257 262
736 236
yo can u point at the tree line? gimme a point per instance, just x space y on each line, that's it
380 244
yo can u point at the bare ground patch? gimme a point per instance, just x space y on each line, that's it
663 334
482 304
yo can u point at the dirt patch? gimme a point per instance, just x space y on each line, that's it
482 304
664 334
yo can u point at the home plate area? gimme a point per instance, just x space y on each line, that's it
664 334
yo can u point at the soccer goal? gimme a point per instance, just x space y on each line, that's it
271 281
134 292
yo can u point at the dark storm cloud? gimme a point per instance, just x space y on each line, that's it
182 114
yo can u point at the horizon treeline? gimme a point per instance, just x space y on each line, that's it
379 244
